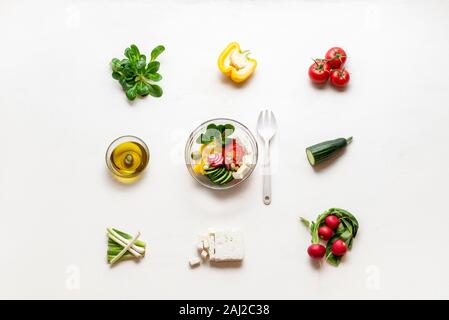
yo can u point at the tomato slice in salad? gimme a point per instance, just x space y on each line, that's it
234 152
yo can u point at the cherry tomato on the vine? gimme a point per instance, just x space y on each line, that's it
335 57
319 71
339 77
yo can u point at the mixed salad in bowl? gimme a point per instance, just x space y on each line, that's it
221 153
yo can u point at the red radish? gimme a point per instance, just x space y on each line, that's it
339 248
316 251
325 233
332 222
215 160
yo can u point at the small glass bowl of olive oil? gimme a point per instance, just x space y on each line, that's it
127 157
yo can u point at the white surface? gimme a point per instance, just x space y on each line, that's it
60 108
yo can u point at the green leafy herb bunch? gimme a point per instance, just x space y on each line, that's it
136 75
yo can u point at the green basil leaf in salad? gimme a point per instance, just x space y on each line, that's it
219 133
229 129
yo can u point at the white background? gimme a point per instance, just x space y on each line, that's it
60 109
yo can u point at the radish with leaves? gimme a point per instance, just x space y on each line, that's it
325 233
316 251
339 248
332 221
341 224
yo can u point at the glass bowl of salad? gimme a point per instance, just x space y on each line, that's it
221 153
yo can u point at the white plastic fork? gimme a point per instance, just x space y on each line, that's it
266 127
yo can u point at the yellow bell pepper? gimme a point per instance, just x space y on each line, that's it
235 63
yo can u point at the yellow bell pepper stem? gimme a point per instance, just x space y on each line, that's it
234 63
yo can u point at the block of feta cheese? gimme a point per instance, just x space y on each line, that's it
211 241
241 172
248 160
227 245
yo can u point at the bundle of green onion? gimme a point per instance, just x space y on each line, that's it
124 246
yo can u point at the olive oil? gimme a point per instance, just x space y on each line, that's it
127 157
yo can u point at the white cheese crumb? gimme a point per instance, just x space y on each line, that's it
241 172
247 160
204 254
194 262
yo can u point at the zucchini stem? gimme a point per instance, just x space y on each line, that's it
349 140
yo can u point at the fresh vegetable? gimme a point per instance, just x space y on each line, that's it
331 67
332 222
219 175
316 251
221 157
336 57
135 75
339 248
123 246
196 155
319 71
218 133
323 151
342 239
325 233
215 160
235 63
340 77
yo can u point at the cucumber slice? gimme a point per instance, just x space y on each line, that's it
229 178
216 174
323 151
196 155
211 171
222 177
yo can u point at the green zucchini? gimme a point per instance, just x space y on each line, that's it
323 151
